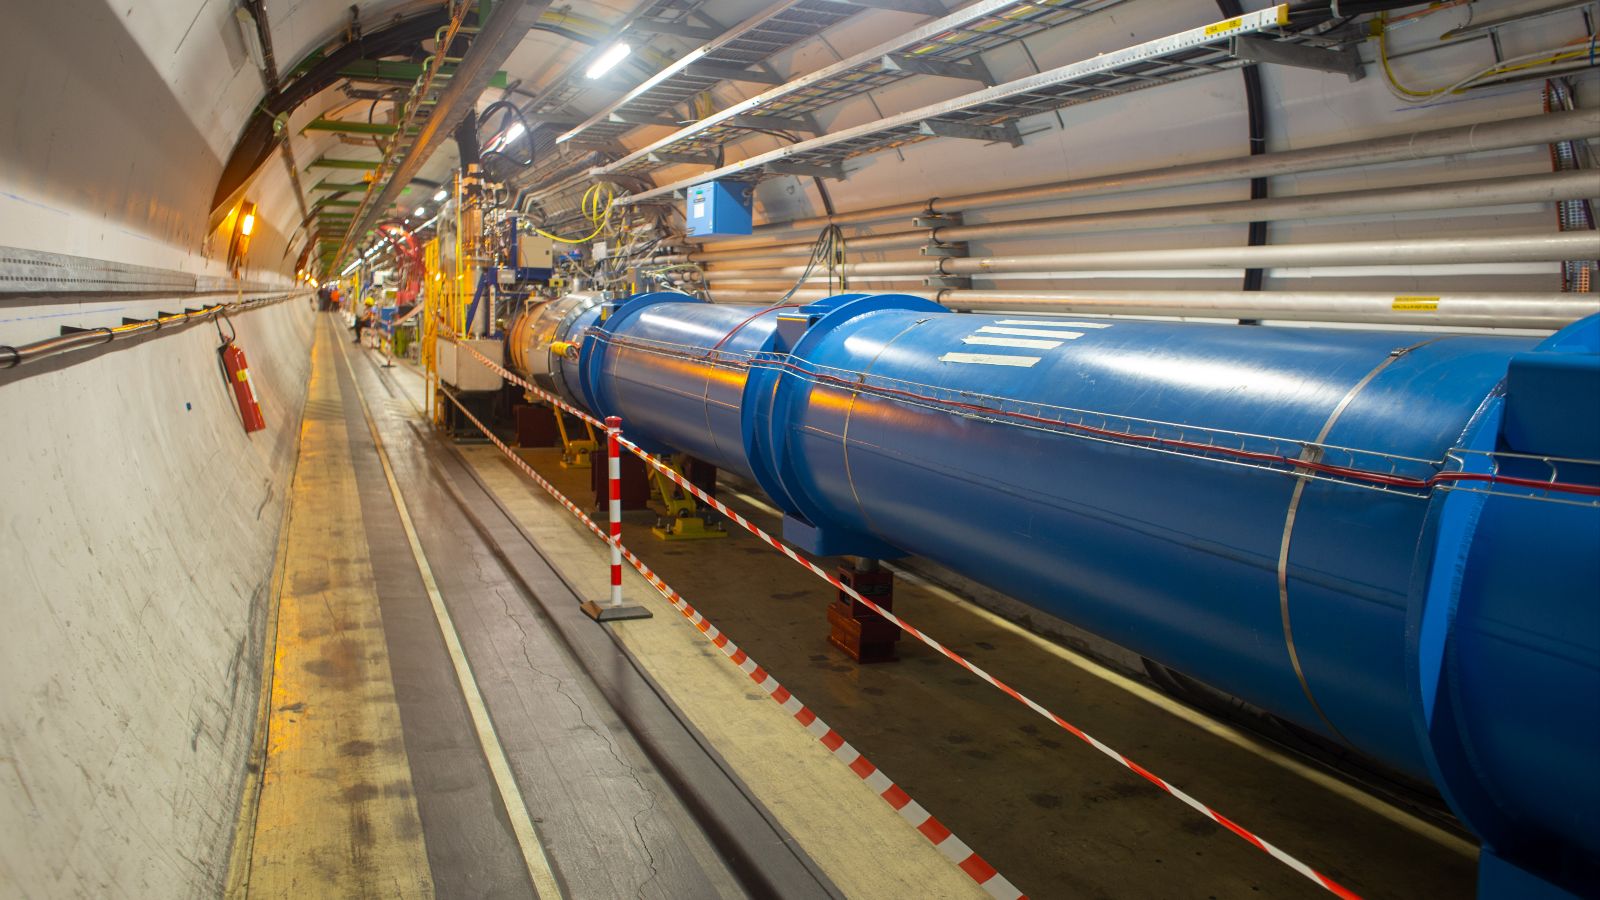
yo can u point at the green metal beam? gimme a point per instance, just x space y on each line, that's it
336 202
346 127
329 162
402 72
339 187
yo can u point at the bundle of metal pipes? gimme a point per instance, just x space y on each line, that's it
751 269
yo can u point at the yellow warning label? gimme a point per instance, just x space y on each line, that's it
1220 27
1416 304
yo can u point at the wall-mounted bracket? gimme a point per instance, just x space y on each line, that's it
970 69
1345 60
945 251
1005 133
688 159
809 170
632 118
723 72
916 7
782 123
676 29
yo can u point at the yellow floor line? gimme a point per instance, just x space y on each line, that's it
337 815
544 880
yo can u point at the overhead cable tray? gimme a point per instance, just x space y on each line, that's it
991 114
730 56
948 47
660 17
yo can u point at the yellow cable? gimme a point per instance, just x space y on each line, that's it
583 240
1388 72
596 195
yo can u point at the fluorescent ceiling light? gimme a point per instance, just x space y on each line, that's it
440 197
350 268
618 52
421 211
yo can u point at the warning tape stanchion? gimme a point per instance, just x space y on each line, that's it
671 474
948 845
614 609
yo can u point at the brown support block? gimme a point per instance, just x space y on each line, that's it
536 426
635 481
866 636
701 474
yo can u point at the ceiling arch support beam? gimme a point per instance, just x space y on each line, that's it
259 139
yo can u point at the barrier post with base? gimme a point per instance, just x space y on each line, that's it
613 609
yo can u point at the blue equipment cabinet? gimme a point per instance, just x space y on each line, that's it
718 207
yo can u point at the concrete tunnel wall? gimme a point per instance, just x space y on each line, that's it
138 521
138 527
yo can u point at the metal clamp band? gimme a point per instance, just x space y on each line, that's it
1313 453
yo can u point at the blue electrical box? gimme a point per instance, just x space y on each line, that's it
718 208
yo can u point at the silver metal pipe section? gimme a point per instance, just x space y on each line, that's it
1550 187
1447 142
1540 311
1422 251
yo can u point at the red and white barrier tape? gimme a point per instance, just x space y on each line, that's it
1317 877
948 845
1259 843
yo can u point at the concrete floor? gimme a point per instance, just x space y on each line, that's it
1056 817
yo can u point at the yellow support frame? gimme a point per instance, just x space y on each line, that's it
683 521
434 290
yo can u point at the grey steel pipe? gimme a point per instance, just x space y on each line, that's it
1549 187
1423 251
1541 311
1447 142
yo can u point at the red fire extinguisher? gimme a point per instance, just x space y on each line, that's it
238 373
